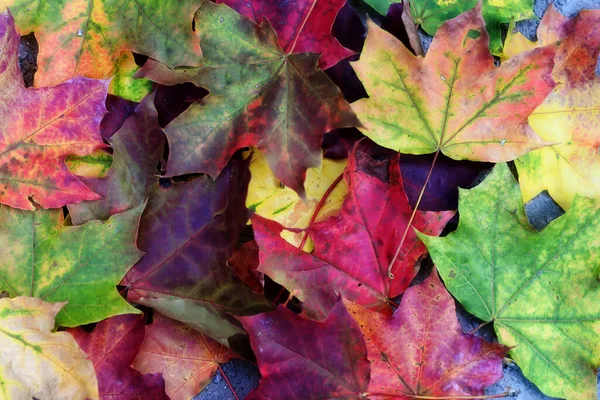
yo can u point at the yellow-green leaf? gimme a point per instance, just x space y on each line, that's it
540 289
270 199
41 257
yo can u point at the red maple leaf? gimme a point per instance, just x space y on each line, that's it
353 250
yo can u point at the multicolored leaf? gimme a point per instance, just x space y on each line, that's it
36 362
422 351
138 149
454 99
40 127
569 116
268 198
77 264
84 37
188 232
354 249
112 346
302 26
538 288
186 359
292 351
123 83
283 104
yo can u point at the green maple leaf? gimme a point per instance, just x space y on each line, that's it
539 288
82 265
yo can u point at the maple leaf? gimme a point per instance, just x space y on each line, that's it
539 288
40 128
188 232
36 362
354 249
302 26
78 264
123 83
454 99
186 359
138 148
85 37
569 115
292 351
112 346
422 351
431 14
259 96
267 198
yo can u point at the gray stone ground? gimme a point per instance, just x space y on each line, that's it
244 376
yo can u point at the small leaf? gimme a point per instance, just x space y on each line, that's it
186 359
112 347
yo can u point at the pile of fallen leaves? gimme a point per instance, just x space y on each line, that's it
191 182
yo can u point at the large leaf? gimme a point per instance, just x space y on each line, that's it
422 351
39 128
188 232
454 99
354 249
36 363
292 351
186 359
112 346
79 264
85 37
260 96
570 115
539 288
302 26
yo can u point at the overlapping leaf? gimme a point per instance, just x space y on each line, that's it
77 264
188 232
267 198
570 115
454 99
112 346
538 288
36 363
302 26
422 351
292 351
353 250
260 96
186 359
85 37
138 149
39 128
431 14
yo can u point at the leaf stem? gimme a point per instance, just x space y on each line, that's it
416 396
320 206
227 381
412 217
478 327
